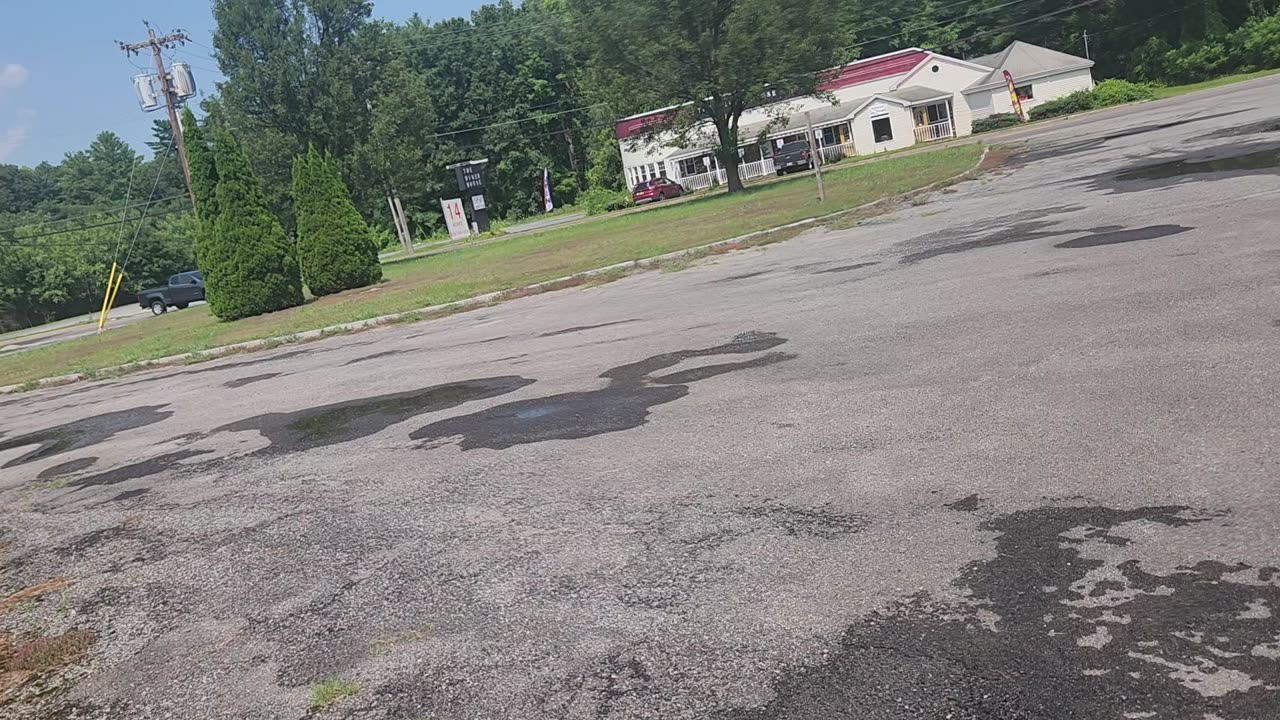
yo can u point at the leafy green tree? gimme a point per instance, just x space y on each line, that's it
250 267
336 249
99 174
25 189
717 59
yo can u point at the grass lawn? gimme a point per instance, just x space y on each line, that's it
521 260
1176 90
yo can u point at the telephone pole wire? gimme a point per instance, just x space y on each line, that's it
167 42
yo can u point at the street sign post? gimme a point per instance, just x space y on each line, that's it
470 176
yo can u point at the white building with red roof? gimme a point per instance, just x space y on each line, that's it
875 105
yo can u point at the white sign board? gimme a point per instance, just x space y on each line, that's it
878 110
456 219
477 202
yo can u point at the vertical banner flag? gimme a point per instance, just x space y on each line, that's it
1013 96
547 203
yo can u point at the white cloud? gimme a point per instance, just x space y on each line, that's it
13 138
13 76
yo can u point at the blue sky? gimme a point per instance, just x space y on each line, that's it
63 80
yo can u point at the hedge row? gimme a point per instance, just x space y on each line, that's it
1105 94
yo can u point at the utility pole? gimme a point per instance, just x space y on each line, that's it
817 158
1086 45
167 42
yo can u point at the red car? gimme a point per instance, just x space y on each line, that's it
654 190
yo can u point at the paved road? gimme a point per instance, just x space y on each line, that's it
1010 454
21 341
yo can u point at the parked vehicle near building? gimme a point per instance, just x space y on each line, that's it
792 157
655 190
182 290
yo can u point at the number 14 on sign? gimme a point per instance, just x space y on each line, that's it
456 219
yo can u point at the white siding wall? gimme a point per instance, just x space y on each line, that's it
980 104
952 77
903 125
1045 89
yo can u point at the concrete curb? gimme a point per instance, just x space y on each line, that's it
459 305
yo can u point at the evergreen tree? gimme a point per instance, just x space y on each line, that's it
335 247
204 185
248 261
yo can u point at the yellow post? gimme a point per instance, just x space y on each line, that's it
114 291
106 297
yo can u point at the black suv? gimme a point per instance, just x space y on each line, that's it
182 290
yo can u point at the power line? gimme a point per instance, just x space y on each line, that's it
935 24
481 35
92 214
515 122
1037 18
66 231
154 184
124 212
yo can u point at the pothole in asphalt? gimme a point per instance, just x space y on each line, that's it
350 420
1063 622
1259 160
1258 128
82 433
633 391
844 268
1151 232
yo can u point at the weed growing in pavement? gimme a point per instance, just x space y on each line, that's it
328 692
53 483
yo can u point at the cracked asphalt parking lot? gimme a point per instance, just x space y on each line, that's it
1010 453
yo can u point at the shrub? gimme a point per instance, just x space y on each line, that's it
336 250
1078 101
996 122
1118 92
598 200
1258 41
249 266
1193 63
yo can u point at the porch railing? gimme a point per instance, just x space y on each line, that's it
759 168
746 171
836 153
935 132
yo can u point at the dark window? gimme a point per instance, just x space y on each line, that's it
882 129
643 184
1025 93
692 166
175 279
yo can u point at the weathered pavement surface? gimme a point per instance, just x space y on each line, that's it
1008 454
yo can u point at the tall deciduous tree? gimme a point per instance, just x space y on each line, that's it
717 58
335 247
